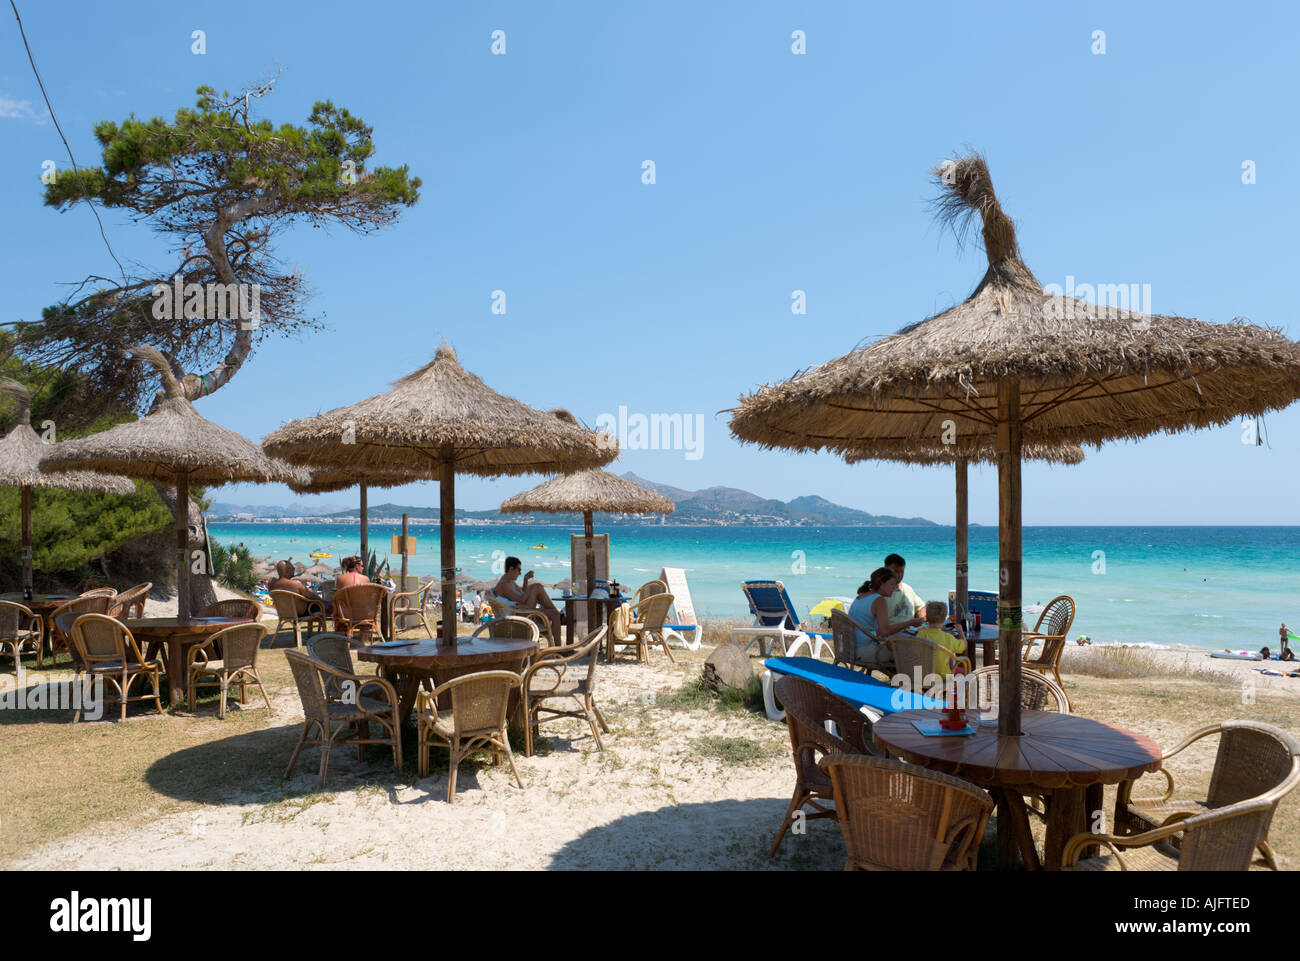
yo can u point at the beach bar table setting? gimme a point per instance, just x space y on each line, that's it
437 422
176 636
408 664
1067 758
173 445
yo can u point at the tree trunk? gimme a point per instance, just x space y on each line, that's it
202 587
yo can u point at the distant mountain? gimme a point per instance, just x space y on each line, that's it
713 506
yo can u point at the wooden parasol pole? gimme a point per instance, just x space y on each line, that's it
593 607
1009 548
27 540
183 544
447 543
961 603
365 525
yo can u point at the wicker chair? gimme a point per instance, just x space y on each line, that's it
61 637
232 608
100 592
648 589
108 650
1254 760
808 707
1218 839
520 628
647 624
914 657
502 609
353 716
238 662
286 609
568 674
844 644
1052 628
1038 692
20 628
130 603
357 611
898 817
479 703
405 604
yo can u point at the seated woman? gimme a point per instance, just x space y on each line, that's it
531 597
351 575
871 610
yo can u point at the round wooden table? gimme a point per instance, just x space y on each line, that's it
177 636
411 665
1062 756
42 605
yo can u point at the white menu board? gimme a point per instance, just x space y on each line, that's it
683 606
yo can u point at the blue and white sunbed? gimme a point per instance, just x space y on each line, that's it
873 698
775 619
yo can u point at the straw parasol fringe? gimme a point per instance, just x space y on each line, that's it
589 490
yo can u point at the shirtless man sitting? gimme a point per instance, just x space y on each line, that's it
531 597
285 581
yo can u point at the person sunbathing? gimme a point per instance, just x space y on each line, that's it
351 575
531 597
307 601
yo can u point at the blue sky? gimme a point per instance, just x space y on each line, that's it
774 173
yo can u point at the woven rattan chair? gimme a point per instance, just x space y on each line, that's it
357 611
648 589
808 707
407 604
515 626
61 637
1052 629
286 609
898 817
1253 761
914 657
352 715
647 625
564 674
100 592
237 663
20 628
479 703
844 644
234 607
130 603
108 650
1219 839
1038 692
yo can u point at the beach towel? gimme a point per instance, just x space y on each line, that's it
620 619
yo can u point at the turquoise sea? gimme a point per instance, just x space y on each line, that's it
1208 587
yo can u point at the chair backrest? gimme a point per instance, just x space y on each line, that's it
1253 759
654 611
648 589
286 604
770 604
100 638
233 607
336 651
511 627
912 655
1037 691
100 592
14 618
239 644
479 701
360 603
307 677
895 815
808 706
844 643
97 604
1057 617
500 607
130 603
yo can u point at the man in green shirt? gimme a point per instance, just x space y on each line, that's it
904 603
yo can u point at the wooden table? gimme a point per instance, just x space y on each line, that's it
1066 757
42 605
410 665
605 605
177 636
988 639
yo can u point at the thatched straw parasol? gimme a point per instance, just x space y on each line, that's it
20 455
1059 454
435 423
173 444
1014 364
586 492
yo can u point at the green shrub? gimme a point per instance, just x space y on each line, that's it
233 566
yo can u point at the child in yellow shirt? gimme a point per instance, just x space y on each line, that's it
936 612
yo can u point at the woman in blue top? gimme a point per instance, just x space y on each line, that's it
871 611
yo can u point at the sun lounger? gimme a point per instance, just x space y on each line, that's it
873 698
775 619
